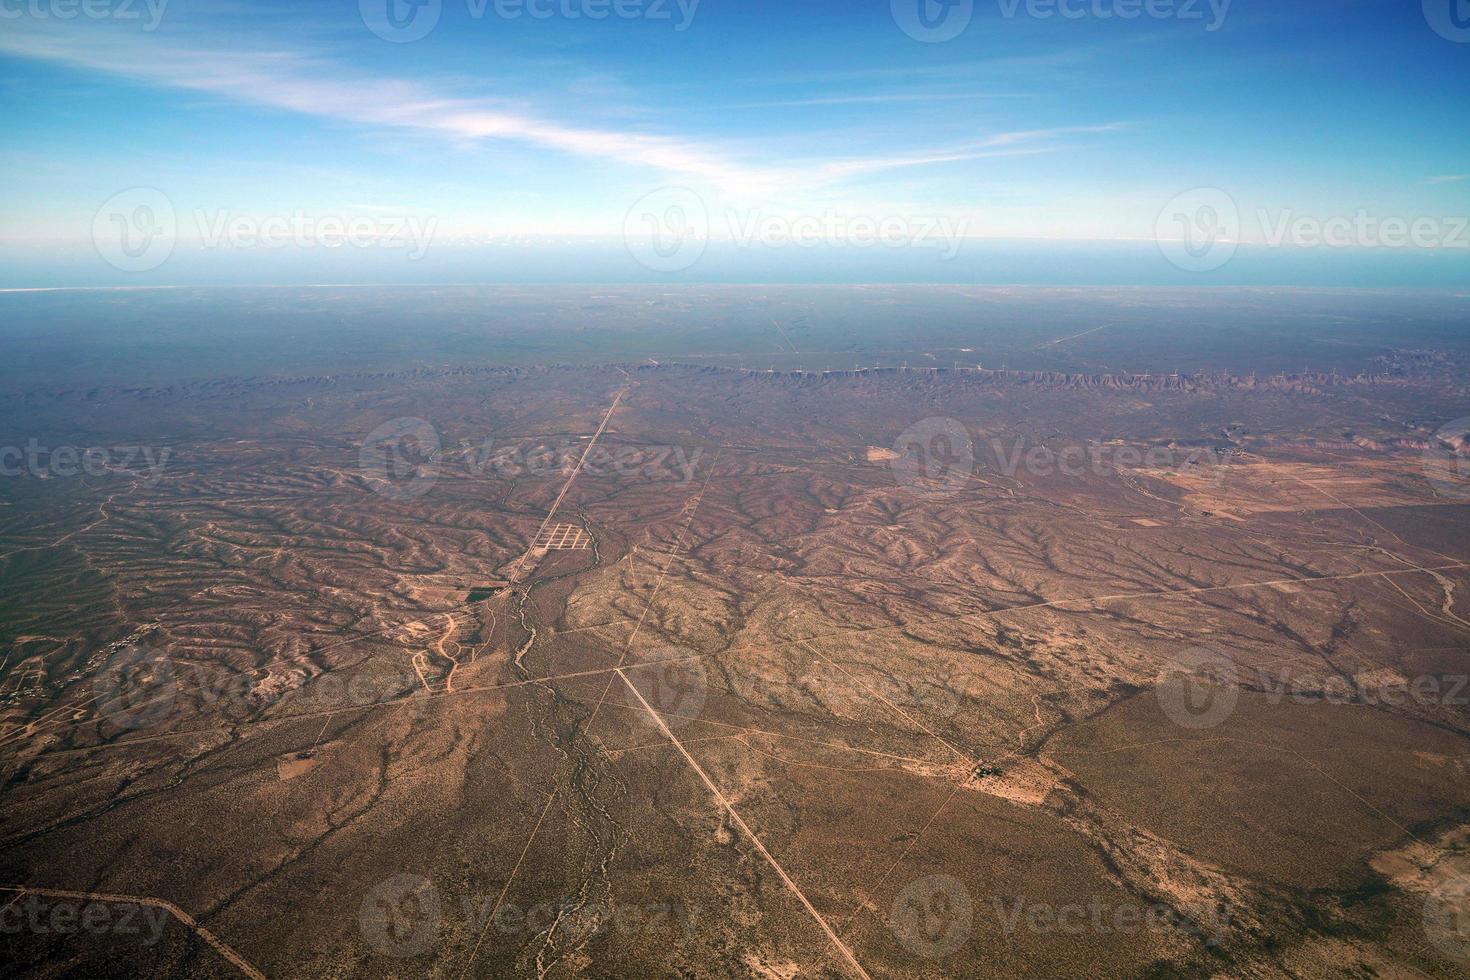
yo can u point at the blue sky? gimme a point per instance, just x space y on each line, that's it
523 147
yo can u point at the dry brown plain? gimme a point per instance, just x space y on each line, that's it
811 693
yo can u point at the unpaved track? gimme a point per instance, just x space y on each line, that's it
220 946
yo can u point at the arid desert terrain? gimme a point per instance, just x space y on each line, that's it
681 669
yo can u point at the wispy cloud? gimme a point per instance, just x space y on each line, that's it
1028 141
1448 179
881 98
301 83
